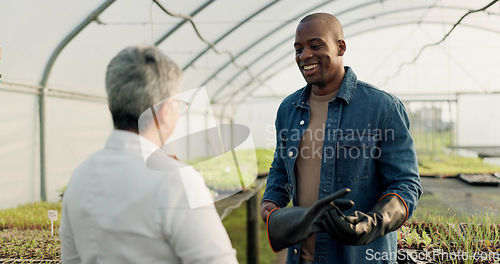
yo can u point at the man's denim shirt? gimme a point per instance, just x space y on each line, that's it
367 147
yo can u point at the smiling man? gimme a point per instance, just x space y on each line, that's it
335 134
319 47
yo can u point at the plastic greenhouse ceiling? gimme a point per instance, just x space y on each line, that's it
55 54
231 47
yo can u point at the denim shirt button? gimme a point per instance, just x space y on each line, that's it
302 122
295 251
290 153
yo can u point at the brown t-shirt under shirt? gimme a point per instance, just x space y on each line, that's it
308 163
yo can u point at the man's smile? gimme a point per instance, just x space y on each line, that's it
310 68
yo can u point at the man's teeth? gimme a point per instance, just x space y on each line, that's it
309 67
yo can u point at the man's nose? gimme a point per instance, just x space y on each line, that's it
306 54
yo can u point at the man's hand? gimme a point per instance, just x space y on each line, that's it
361 228
265 208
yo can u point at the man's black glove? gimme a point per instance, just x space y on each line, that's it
288 226
361 228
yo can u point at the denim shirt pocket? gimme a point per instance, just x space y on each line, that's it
354 155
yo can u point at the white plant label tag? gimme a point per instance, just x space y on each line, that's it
52 215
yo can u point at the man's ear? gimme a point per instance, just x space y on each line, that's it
342 47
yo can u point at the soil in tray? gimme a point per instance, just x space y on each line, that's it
480 179
34 246
422 242
414 256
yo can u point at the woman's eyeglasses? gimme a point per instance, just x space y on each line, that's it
183 106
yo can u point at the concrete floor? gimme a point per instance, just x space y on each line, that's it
459 196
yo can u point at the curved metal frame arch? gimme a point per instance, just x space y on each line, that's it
243 52
341 12
223 37
43 86
270 33
93 15
228 33
48 68
250 82
345 26
360 33
392 25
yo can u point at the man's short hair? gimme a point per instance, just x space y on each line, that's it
332 21
137 78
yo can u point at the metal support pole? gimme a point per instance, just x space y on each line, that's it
253 245
456 130
426 114
188 132
41 117
442 126
43 84
433 128
207 142
453 122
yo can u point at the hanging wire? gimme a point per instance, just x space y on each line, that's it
387 59
210 44
437 43
151 21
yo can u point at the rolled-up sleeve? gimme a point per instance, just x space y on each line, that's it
277 187
398 160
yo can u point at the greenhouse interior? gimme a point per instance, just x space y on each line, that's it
439 57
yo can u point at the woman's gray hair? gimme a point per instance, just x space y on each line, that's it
137 78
